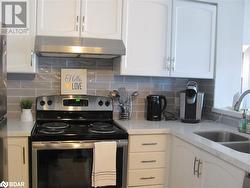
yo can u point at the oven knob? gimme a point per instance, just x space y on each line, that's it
42 103
49 102
100 103
107 103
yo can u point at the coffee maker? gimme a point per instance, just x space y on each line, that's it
191 103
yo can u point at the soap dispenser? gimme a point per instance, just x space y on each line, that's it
243 122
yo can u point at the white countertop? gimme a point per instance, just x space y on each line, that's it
16 128
186 132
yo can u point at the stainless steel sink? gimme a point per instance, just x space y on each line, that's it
222 136
228 139
241 147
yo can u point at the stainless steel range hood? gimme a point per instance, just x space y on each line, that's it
51 46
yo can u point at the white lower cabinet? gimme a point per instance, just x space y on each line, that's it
146 177
17 160
183 156
148 160
141 160
5 159
192 167
153 186
216 173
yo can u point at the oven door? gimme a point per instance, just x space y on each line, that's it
69 164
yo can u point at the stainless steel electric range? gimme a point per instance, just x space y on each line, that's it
62 140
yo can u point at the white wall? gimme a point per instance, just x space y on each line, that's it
246 34
229 51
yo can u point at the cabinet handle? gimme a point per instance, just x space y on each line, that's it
5 156
32 56
4 43
149 144
168 63
147 178
23 155
83 23
199 168
194 169
150 161
77 22
173 64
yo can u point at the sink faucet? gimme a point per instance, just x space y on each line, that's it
238 102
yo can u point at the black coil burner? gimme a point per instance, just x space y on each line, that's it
101 127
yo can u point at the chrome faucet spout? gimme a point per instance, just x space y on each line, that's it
238 102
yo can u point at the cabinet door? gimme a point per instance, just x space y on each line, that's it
146 33
5 159
20 56
18 160
147 160
58 17
147 143
101 19
183 165
146 177
216 173
193 39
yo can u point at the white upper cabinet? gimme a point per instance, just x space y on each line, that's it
20 56
101 18
85 18
166 40
146 34
58 17
193 39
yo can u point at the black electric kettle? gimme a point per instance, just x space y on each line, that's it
156 104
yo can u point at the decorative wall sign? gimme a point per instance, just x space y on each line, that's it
73 81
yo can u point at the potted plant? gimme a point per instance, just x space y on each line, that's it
26 105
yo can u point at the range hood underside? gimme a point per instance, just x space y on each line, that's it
49 46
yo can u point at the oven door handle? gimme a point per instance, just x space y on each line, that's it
57 145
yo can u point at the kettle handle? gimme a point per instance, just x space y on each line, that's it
165 103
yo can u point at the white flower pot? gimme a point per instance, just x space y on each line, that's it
26 115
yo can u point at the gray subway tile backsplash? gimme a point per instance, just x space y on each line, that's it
21 92
38 85
100 80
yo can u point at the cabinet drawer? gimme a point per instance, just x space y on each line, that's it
146 177
147 160
152 186
141 143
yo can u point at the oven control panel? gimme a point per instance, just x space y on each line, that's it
74 103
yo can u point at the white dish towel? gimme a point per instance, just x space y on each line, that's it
104 164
